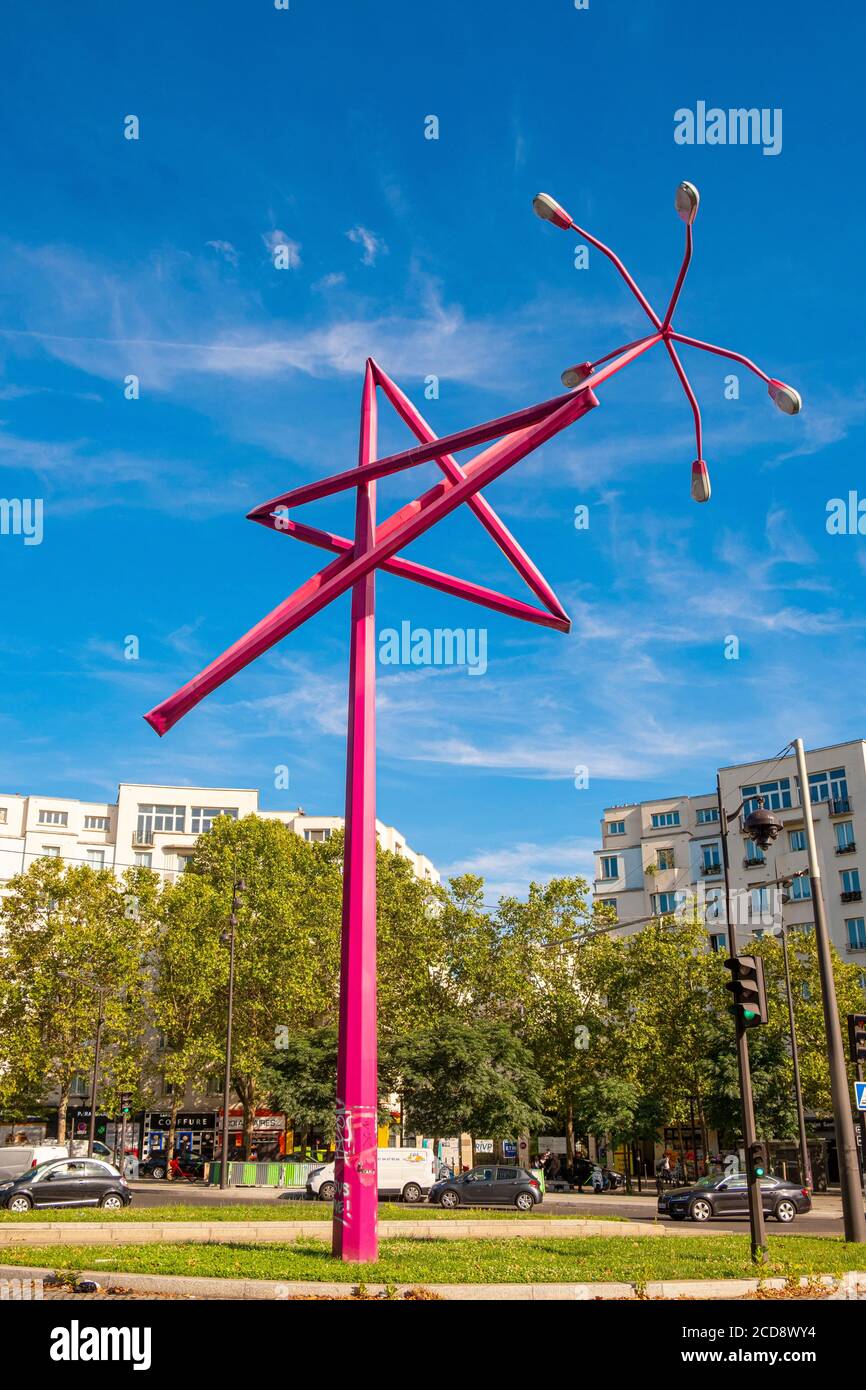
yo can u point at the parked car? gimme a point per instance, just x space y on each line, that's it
712 1198
406 1173
592 1175
69 1182
490 1186
189 1166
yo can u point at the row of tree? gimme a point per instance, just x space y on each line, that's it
491 1022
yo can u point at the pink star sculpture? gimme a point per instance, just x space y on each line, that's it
354 567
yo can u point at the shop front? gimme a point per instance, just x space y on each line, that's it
269 1134
195 1132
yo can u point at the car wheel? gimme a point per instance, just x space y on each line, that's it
327 1192
700 1210
785 1210
412 1193
158 1171
19 1204
523 1201
111 1202
449 1200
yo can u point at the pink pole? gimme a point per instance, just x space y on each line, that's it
354 1236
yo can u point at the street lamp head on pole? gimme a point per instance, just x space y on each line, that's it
785 397
762 826
549 210
687 201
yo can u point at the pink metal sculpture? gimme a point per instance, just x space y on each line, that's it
354 568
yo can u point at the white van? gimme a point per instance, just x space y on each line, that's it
406 1173
16 1159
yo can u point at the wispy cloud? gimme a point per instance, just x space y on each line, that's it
372 245
224 249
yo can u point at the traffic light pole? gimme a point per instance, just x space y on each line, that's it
846 1146
756 1210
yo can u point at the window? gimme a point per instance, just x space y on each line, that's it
718 942
664 859
96 858
777 795
797 839
802 927
754 854
714 902
143 859
203 817
850 881
2 815
151 818
607 902
828 786
664 903
80 1084
844 836
53 817
801 889
707 815
317 836
856 930
710 859
609 866
175 862
616 827
51 851
661 819
759 899
97 822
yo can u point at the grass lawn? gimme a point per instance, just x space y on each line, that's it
405 1261
290 1211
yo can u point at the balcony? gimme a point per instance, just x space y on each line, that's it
142 839
839 806
855 896
846 849
710 870
754 863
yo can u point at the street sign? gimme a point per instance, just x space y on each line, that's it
484 1146
509 1148
860 1088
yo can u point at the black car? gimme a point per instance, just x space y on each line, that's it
71 1182
183 1165
712 1198
491 1186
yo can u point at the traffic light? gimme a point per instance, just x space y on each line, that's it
857 1038
747 986
758 1159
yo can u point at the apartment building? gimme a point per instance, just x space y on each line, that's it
664 855
155 826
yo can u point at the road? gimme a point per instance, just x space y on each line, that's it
825 1219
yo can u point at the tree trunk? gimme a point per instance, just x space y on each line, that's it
246 1090
569 1134
62 1111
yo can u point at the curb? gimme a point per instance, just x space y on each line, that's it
851 1285
284 1232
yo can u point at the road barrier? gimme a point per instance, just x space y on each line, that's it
243 1174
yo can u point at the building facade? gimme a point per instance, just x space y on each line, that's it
665 855
154 826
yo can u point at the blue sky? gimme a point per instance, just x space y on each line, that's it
306 127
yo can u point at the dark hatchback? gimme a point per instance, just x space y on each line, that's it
714 1199
75 1182
491 1186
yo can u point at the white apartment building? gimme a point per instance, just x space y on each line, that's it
148 825
662 856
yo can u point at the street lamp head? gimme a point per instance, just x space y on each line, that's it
549 210
687 201
786 398
573 376
701 487
762 826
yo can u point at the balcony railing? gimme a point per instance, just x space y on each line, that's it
846 849
142 839
710 869
855 896
839 806
754 863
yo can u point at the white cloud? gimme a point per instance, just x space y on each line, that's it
224 249
277 241
372 244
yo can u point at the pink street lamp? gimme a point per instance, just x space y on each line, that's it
376 547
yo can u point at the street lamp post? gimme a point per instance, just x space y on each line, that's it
849 1168
805 1161
237 888
747 1107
